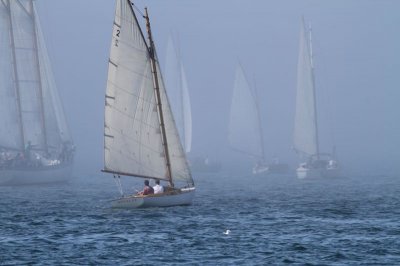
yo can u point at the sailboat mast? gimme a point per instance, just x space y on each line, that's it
36 48
314 93
16 78
158 97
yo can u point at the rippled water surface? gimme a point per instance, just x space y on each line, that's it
273 220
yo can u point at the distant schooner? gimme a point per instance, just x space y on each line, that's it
35 143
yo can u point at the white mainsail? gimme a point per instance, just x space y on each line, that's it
27 73
175 79
133 143
10 133
57 130
305 128
30 107
244 126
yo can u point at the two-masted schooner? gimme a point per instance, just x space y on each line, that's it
306 142
35 143
140 135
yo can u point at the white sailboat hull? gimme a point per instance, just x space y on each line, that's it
51 174
260 170
182 197
303 173
271 169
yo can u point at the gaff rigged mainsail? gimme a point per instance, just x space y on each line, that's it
134 139
244 125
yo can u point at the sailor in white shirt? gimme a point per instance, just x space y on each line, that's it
158 188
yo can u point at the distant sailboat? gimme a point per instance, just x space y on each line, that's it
141 138
306 141
178 92
35 143
245 130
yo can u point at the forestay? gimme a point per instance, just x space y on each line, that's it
305 129
133 140
244 125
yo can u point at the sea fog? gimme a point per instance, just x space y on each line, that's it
355 57
272 219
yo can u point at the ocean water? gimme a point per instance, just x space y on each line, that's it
273 220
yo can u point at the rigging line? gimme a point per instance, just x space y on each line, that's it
118 183
137 9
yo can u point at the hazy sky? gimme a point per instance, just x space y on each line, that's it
356 58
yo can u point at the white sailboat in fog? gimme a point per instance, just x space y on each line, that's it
306 142
35 143
141 138
178 92
245 129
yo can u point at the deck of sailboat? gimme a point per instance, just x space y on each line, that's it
317 173
175 197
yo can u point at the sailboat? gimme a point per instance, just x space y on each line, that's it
306 142
178 92
35 142
245 130
140 136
